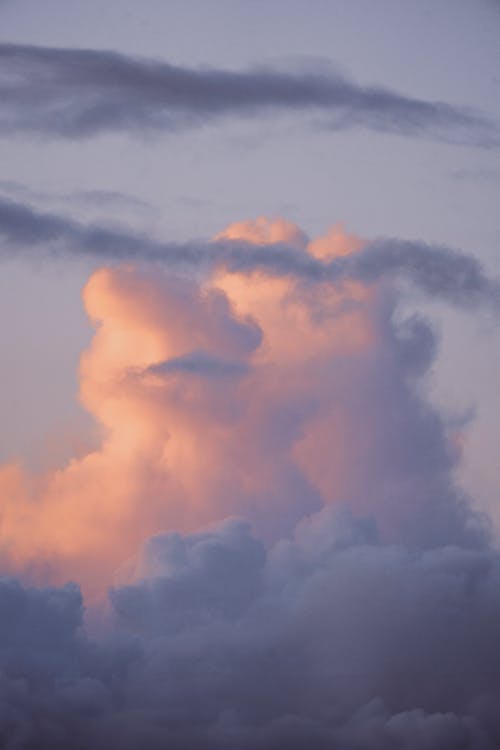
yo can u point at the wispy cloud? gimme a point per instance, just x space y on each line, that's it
107 199
479 174
75 93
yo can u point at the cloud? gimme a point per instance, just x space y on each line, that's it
199 363
75 93
244 393
436 270
273 508
108 198
478 175
330 639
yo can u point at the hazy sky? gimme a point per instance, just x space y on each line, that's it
171 358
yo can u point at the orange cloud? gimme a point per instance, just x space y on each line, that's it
213 399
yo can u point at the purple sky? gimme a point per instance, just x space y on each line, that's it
131 135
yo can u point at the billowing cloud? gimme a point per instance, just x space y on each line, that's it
273 505
330 639
242 392
77 93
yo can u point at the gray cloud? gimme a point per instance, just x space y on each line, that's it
202 363
328 640
76 93
438 271
81 200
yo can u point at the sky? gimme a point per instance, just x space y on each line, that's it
249 303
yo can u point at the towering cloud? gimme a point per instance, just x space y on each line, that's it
272 503
241 394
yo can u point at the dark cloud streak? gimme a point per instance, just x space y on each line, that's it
199 363
76 93
437 271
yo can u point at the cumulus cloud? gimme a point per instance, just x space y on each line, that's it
273 505
77 93
242 392
328 640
